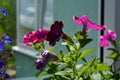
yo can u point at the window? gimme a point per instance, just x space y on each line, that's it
26 18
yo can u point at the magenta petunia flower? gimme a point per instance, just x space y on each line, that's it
46 57
87 24
35 36
109 36
56 32
28 38
40 35
103 42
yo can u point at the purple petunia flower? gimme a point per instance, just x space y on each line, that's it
110 36
41 63
87 24
46 57
55 33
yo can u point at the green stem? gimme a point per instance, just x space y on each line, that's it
74 70
55 77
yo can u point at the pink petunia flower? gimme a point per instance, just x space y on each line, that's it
105 39
87 24
27 39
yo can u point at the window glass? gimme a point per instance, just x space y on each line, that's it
65 10
26 18
48 19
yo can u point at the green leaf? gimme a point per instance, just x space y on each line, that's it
79 66
39 46
112 55
114 44
85 52
51 49
61 55
64 77
70 46
67 59
113 49
49 78
95 76
61 73
84 42
40 74
84 60
79 36
102 67
65 43
52 68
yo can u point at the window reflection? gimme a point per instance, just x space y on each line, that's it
48 19
27 13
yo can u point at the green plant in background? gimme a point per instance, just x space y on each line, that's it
5 54
10 7
74 64
9 23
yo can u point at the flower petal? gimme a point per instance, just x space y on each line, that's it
27 39
55 33
87 24
40 35
41 63
111 35
104 42
77 20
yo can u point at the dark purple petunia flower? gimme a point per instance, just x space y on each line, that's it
46 57
41 63
56 32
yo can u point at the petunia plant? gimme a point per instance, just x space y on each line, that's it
5 54
73 65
